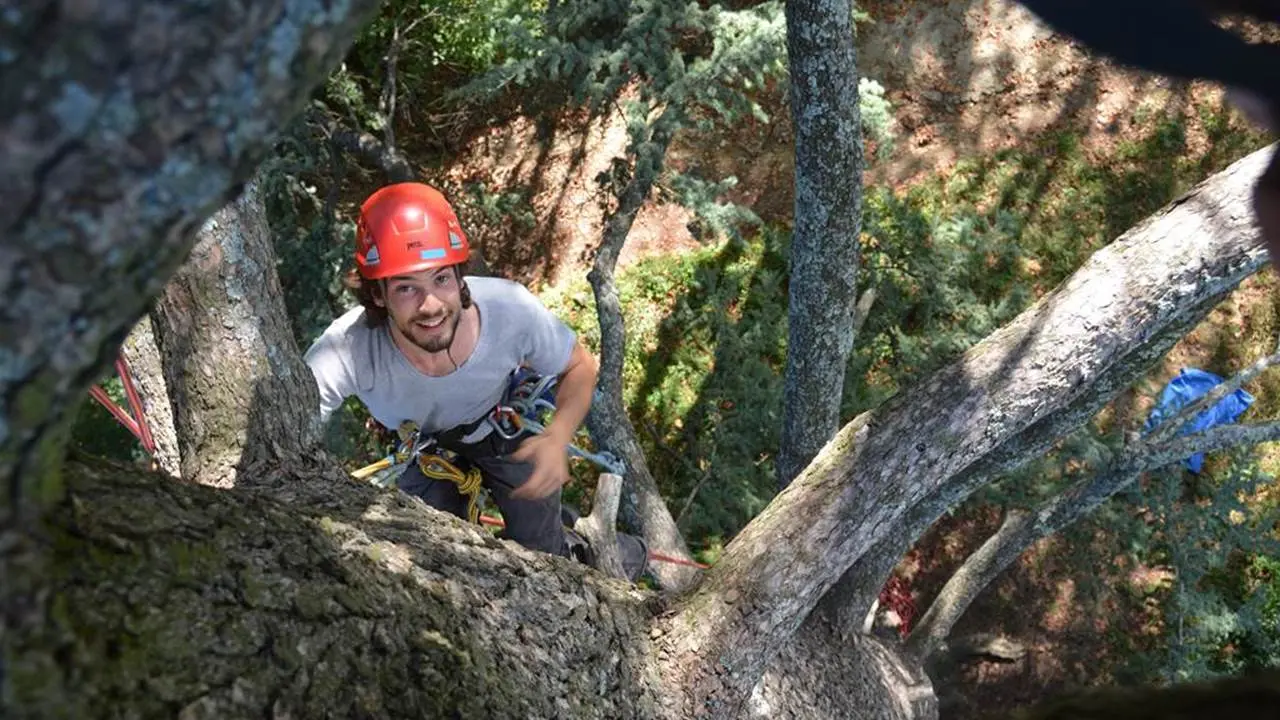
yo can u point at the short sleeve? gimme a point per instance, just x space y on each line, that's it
548 341
333 377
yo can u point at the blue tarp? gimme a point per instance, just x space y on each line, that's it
1187 387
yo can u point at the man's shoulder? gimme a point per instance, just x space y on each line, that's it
496 287
503 294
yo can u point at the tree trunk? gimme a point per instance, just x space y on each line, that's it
319 597
608 422
881 465
241 393
143 358
828 220
124 126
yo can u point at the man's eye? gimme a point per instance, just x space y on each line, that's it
402 289
444 279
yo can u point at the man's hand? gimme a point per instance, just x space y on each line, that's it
549 455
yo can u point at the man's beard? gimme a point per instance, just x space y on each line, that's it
436 339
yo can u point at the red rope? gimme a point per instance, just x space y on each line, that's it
495 522
135 405
137 426
97 393
677 561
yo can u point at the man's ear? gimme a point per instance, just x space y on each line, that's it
378 293
464 292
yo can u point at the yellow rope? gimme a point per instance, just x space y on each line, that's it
437 468
433 466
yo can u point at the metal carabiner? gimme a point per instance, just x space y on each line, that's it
506 422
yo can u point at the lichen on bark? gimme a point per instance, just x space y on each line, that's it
177 600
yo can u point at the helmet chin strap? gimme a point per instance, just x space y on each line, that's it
448 349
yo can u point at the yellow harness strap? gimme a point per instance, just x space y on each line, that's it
437 468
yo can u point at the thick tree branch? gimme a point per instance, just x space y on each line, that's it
308 596
608 422
880 466
851 599
821 316
125 126
599 527
240 391
1021 528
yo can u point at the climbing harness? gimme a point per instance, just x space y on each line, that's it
434 461
522 410
528 400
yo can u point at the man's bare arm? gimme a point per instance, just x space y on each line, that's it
573 395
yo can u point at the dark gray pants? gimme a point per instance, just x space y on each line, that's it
535 524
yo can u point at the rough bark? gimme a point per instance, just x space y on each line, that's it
124 126
820 675
828 219
143 358
241 394
885 462
310 596
599 528
608 421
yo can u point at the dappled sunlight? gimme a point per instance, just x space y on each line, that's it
969 77
551 163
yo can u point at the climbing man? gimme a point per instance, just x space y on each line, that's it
436 348
1179 38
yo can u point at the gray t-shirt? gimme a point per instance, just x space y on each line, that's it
516 329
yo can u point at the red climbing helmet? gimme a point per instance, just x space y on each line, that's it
407 227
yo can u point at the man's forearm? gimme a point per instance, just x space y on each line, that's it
573 395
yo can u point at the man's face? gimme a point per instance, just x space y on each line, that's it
425 307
